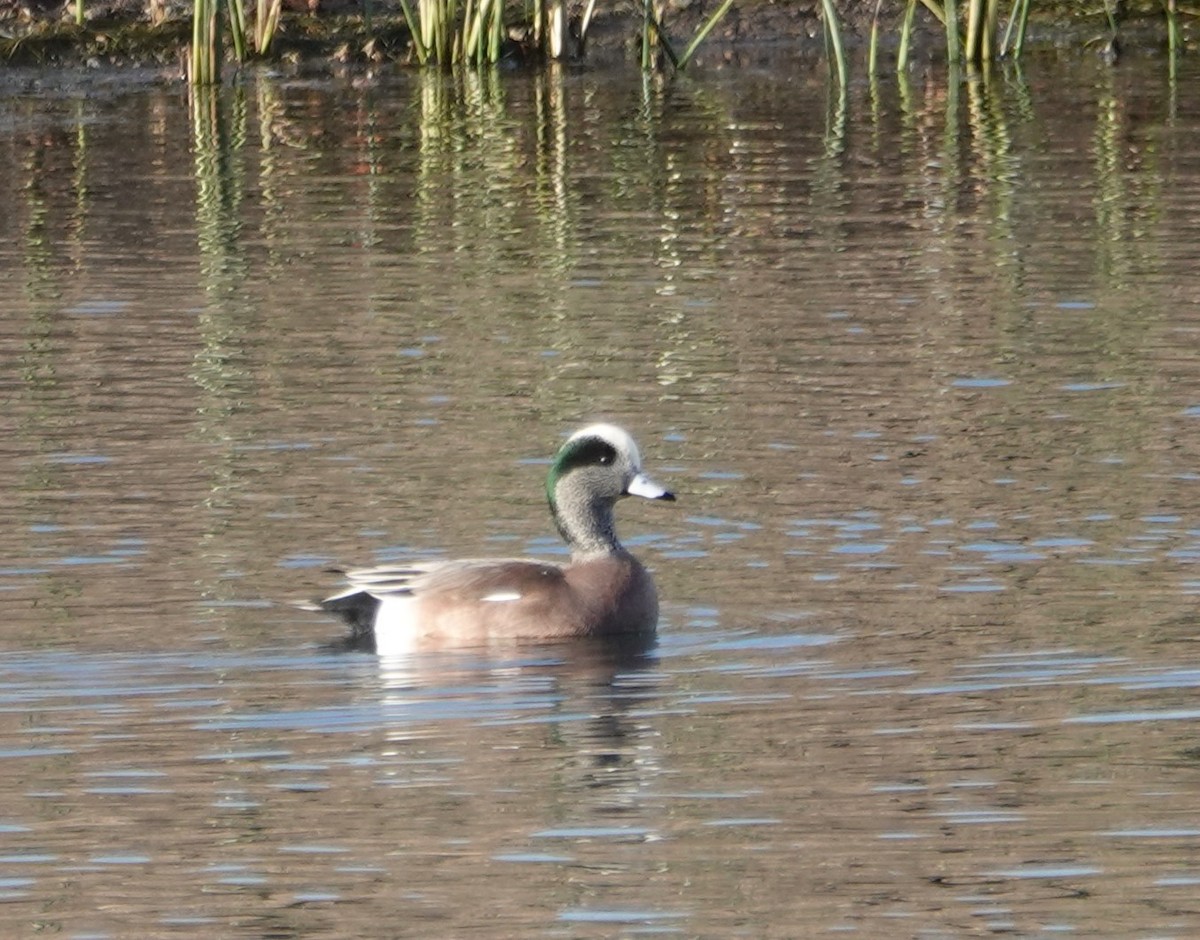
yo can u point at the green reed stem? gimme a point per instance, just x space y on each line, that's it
906 36
266 24
237 28
703 32
450 32
935 8
556 29
991 28
953 46
498 32
468 39
1173 37
414 30
1019 17
205 59
873 47
982 19
654 37
647 36
834 34
585 22
974 28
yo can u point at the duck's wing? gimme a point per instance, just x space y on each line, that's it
385 580
466 578
459 581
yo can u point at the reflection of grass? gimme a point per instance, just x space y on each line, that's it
220 129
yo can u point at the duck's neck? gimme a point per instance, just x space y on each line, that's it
586 526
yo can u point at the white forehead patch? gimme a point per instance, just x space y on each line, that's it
500 596
618 437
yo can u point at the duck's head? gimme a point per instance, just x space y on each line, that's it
603 460
597 465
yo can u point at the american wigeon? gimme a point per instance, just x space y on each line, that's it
603 591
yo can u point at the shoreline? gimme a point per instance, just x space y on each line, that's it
118 36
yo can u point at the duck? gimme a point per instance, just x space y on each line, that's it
603 591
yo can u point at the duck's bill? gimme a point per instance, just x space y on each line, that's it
642 485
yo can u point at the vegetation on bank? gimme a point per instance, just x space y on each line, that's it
664 34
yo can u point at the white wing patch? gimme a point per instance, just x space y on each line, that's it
501 596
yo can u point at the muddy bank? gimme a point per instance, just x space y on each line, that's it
121 33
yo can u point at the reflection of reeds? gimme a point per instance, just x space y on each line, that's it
219 135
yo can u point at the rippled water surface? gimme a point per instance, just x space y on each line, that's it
921 368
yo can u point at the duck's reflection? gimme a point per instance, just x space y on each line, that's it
568 718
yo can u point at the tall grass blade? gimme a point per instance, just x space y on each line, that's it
982 19
834 34
974 44
1022 24
953 45
1014 15
703 32
204 62
1112 19
905 36
467 45
936 9
655 38
414 30
991 28
496 32
237 28
266 24
557 28
873 47
585 23
1173 37
647 36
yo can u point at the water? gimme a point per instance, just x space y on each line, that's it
928 660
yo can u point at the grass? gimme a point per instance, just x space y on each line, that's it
206 54
453 33
973 33
445 33
204 63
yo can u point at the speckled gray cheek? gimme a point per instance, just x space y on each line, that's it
577 454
